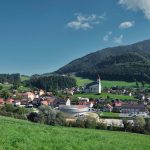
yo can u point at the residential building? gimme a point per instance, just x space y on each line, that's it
133 108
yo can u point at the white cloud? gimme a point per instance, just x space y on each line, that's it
85 21
107 36
78 25
126 24
118 39
142 5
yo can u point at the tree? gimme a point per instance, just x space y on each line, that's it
147 126
137 84
90 122
15 85
8 108
139 124
33 116
48 113
5 94
1 87
128 126
143 84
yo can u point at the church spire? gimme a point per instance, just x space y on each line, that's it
98 79
99 84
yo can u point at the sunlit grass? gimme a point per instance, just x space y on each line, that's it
82 81
23 135
104 95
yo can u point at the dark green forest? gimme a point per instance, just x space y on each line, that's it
10 78
54 82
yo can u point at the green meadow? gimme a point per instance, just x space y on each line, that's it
24 78
82 81
24 135
109 115
104 95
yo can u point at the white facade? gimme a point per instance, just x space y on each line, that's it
96 87
68 103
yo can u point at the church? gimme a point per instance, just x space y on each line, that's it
94 87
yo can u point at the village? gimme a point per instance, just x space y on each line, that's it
110 111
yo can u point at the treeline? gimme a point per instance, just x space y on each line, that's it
50 116
53 82
10 78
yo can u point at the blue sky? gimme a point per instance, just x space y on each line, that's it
40 36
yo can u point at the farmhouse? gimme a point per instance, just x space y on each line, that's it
28 95
94 87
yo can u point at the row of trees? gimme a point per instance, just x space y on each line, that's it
15 112
10 78
139 125
49 116
54 82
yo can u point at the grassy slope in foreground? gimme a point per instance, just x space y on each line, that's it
23 135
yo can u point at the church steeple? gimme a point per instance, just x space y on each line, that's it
99 84
98 79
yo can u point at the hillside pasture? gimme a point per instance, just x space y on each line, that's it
23 135
83 81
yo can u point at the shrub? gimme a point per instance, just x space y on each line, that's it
90 122
34 117
48 113
60 119
139 125
128 126
8 108
80 122
101 125
147 125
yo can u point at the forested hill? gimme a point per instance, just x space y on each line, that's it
131 62
10 78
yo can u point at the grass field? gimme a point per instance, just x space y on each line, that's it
24 78
6 86
23 135
109 115
83 81
104 95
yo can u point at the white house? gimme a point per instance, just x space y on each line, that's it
68 102
94 87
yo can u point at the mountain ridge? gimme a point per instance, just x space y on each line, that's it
89 64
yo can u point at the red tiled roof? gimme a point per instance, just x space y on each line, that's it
118 104
44 102
1 101
9 101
